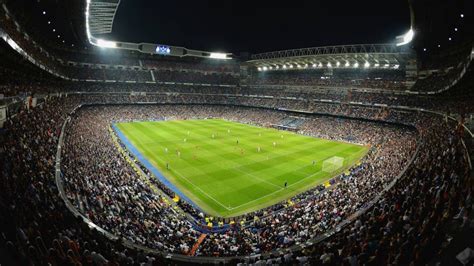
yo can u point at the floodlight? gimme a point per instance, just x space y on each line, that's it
270 68
424 49
406 38
284 66
277 67
291 66
455 29
338 64
449 39
218 56
462 15
259 69
314 65
106 44
356 64
12 43
44 12
347 64
320 64
396 66
367 64
386 65
376 65
54 30
89 36
265 68
306 66
49 22
329 65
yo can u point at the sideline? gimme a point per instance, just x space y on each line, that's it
150 166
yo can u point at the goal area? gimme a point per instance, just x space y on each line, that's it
332 164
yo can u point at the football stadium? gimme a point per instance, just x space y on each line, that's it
236 133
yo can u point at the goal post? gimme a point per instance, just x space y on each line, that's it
333 164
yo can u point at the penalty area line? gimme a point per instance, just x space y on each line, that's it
274 192
195 186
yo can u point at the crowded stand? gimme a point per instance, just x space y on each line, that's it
94 201
135 63
207 73
132 68
442 70
201 66
442 79
463 89
437 81
17 75
385 79
97 197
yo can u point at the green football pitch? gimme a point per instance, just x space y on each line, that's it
228 169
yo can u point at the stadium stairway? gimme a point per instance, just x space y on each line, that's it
196 245
292 122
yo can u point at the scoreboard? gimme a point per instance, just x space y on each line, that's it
160 49
163 50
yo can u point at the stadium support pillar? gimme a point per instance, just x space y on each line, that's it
152 76
197 244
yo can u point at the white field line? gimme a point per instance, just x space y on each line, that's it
262 180
218 202
250 174
274 192
299 181
246 203
276 150
198 188
264 196
194 185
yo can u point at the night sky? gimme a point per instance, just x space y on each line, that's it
258 25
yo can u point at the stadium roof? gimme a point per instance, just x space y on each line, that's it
237 26
349 56
100 15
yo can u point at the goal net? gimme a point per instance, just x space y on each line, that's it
333 164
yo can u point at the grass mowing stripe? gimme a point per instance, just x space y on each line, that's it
187 180
222 179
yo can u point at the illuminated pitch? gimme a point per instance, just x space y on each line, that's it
227 168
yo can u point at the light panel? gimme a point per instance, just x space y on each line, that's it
406 38
106 44
218 56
